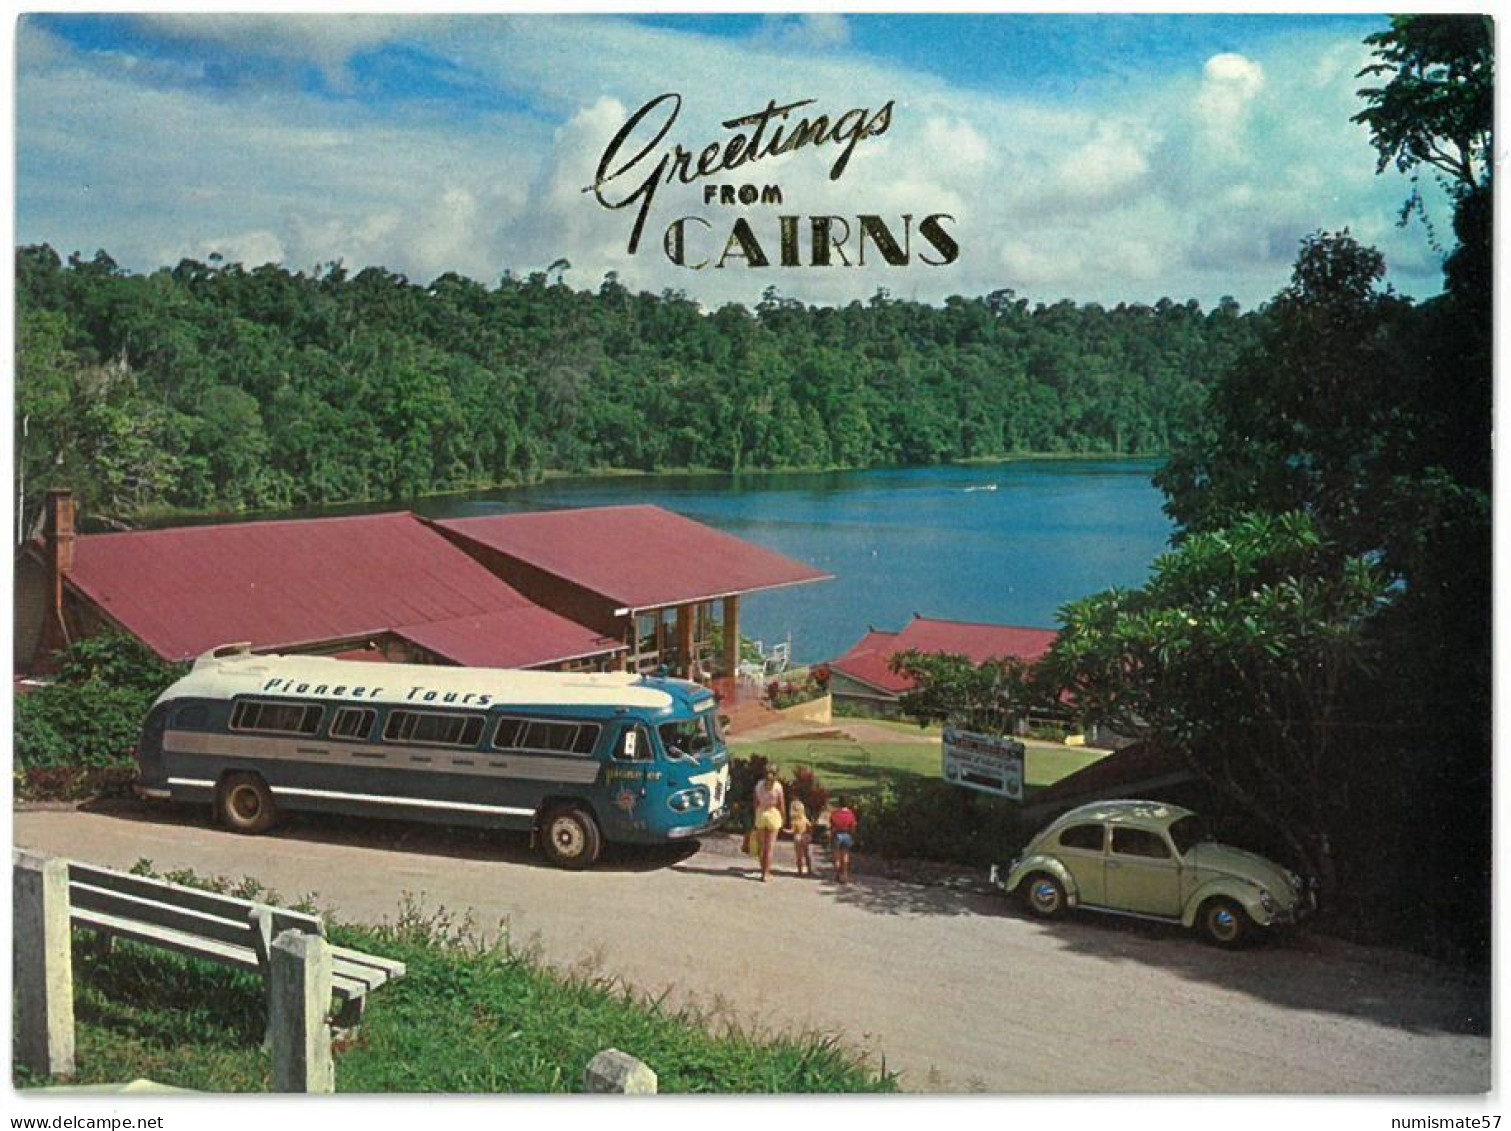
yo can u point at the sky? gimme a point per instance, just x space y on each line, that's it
1096 158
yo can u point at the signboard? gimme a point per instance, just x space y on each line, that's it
984 762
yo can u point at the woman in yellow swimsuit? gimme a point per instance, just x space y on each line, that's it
769 804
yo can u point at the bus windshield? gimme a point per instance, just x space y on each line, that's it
690 738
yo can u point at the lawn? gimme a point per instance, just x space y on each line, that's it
859 767
467 1017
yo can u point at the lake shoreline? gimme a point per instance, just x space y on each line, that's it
159 517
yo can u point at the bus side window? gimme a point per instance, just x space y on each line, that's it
193 717
353 722
634 746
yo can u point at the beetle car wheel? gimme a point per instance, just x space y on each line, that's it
569 837
1224 923
246 804
1044 895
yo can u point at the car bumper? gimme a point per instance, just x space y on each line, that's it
1290 916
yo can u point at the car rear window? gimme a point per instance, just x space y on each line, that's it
1083 836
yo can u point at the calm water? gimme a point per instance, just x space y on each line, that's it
1003 543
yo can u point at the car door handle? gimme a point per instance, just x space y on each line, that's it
1114 864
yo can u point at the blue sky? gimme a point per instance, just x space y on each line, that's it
1097 158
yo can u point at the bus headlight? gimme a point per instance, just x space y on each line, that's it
688 799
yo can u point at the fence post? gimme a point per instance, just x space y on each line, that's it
298 1003
42 964
618 1072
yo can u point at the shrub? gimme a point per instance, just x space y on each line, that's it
744 773
91 714
782 693
805 787
927 819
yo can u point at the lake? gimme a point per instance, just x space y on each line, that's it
1006 543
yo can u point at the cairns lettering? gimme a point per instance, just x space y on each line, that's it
639 160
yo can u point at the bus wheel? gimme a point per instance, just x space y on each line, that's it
246 804
569 837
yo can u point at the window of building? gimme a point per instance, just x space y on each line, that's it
353 722
1083 836
433 728
1139 842
276 717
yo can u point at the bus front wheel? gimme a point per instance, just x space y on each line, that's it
569 837
246 803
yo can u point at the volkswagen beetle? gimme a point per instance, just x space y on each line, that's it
1153 861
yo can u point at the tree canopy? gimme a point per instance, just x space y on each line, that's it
215 387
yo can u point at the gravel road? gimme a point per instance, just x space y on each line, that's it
942 980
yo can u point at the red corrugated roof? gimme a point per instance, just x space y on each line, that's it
512 638
292 583
868 661
640 557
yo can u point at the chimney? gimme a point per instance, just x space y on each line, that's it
58 534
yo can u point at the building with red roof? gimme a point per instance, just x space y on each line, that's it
643 575
863 677
381 586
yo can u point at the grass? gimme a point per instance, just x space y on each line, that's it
470 1016
850 766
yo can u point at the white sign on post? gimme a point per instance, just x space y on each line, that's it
984 762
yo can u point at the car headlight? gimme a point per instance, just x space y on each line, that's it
1266 900
1297 884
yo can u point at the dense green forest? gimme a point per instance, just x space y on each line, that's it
212 386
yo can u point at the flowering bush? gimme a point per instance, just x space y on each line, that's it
782 693
744 773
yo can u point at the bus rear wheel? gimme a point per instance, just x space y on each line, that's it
569 837
246 804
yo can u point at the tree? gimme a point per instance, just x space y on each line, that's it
987 698
1311 418
1438 107
1235 655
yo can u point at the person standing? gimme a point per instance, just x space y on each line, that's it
842 825
802 837
770 805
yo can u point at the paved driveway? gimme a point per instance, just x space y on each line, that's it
945 981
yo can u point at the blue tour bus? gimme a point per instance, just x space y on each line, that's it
578 759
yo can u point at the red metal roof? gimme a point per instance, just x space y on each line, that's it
511 638
640 557
868 661
292 583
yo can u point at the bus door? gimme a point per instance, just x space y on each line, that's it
629 776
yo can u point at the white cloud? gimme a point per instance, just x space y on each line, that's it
816 31
1230 84
251 248
327 43
1190 183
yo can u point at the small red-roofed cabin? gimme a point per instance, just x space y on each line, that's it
656 581
863 680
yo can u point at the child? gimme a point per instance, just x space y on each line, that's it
842 824
802 836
